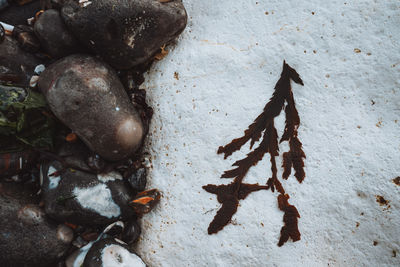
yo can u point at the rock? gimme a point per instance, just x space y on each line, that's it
54 36
131 232
15 163
26 38
16 65
84 198
77 257
87 96
138 179
3 4
111 252
128 33
17 15
2 33
27 238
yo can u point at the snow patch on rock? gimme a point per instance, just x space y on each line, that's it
99 199
111 176
82 254
53 180
117 256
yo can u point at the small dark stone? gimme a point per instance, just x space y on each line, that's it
56 4
16 65
111 252
3 4
114 229
17 15
138 179
84 198
131 232
126 33
87 96
26 38
27 237
15 163
96 163
54 36
2 33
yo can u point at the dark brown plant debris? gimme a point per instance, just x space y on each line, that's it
396 180
263 126
382 201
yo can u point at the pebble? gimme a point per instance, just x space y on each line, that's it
54 36
27 237
87 96
138 179
126 33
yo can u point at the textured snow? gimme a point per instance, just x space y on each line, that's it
114 255
213 84
99 199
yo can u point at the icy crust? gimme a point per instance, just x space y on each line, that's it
99 199
117 256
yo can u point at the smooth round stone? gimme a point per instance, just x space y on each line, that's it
87 96
126 33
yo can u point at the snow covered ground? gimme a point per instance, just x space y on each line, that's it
213 84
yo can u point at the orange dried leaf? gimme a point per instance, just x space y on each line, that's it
143 200
162 53
72 137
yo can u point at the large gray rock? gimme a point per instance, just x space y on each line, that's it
128 32
87 96
54 36
16 65
84 198
27 238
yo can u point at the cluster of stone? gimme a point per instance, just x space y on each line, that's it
78 201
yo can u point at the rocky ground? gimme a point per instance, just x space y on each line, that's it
72 126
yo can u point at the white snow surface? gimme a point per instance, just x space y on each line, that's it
99 199
117 256
228 60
